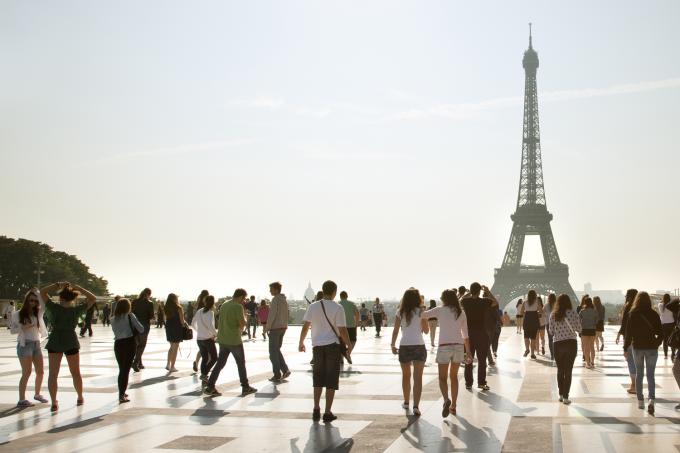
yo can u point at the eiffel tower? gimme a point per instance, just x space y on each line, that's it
531 216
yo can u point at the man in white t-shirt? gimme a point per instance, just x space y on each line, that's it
328 320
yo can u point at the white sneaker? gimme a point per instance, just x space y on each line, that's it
566 401
404 406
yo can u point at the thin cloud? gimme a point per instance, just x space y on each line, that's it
467 110
188 148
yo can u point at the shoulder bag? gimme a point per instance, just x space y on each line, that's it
344 350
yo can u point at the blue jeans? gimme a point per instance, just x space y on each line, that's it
631 362
645 360
239 356
275 342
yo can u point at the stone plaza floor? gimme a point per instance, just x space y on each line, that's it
168 412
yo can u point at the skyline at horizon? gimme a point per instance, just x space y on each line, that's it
396 153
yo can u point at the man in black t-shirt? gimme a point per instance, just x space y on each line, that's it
251 309
142 308
477 312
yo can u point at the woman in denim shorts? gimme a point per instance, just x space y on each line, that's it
412 346
453 342
29 327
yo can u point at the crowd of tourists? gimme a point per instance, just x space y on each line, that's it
469 321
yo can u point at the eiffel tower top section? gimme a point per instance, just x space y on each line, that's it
531 190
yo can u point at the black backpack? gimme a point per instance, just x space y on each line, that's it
674 337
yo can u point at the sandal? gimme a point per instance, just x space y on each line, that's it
80 402
453 410
123 399
416 411
446 409
40 398
631 391
54 407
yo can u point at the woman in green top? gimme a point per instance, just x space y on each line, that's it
64 318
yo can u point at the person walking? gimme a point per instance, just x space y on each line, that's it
630 358
453 342
230 326
564 325
550 307
599 328
125 328
530 311
363 316
327 321
668 311
62 340
409 319
497 334
204 325
142 307
645 335
589 318
263 317
160 316
542 322
106 315
351 319
87 323
476 309
492 320
432 324
276 325
378 314
9 311
174 329
251 312
519 317
29 326
200 303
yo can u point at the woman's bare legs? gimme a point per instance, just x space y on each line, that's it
54 364
26 367
454 384
443 380
172 355
418 368
39 373
74 368
406 381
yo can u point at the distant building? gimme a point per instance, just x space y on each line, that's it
310 294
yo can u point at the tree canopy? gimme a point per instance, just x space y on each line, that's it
19 260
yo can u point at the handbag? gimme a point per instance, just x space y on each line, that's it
187 333
344 350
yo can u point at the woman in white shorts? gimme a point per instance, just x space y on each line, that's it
453 342
29 327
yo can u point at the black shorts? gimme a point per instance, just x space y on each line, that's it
600 326
352 333
412 353
73 351
326 368
531 324
588 332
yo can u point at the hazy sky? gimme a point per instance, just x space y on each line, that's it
191 145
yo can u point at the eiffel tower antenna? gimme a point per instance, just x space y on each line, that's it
514 279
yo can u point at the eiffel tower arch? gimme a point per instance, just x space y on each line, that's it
531 217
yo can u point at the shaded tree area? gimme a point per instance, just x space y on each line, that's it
21 258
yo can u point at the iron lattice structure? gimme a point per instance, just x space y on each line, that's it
531 217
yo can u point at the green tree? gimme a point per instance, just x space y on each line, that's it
19 262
